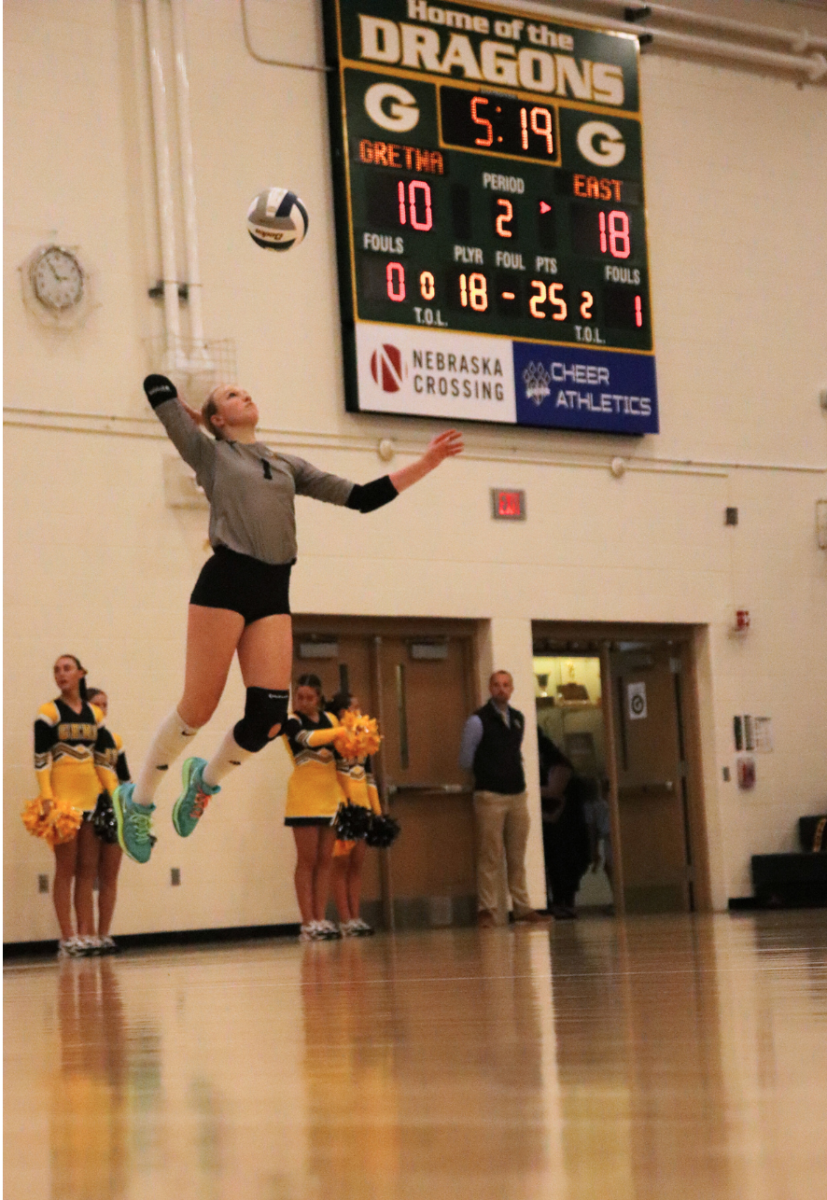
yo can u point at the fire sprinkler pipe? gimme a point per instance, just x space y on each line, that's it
814 66
163 174
182 91
799 39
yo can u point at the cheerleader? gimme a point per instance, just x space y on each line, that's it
359 786
72 761
240 603
109 853
314 794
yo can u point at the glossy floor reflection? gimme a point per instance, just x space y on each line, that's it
657 1057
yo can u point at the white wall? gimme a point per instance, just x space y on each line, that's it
98 565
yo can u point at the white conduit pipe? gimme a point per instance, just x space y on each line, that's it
172 318
182 90
813 66
799 39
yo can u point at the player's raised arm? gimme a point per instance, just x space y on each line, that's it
367 497
181 422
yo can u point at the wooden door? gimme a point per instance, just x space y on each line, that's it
651 779
420 689
426 699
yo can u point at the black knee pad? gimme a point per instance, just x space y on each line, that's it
264 709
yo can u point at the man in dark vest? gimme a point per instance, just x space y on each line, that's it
492 749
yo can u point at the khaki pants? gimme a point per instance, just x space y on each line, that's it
501 825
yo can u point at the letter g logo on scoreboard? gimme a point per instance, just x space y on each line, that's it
601 143
399 116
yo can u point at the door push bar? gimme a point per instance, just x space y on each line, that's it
652 785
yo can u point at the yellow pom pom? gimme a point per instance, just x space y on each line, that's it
32 815
60 824
358 736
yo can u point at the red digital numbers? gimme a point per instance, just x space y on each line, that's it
488 140
395 278
418 208
427 285
473 291
552 294
504 218
539 121
614 235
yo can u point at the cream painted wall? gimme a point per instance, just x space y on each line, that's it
98 565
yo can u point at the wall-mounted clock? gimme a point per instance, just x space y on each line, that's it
56 285
57 278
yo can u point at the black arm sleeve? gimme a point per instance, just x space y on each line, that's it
366 497
122 770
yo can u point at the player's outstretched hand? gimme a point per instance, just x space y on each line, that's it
159 389
444 445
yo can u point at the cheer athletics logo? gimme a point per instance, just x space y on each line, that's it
386 367
536 379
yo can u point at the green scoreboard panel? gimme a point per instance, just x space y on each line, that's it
491 229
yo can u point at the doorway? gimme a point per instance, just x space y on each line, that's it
621 704
417 679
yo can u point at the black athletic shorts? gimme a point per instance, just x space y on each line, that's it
246 585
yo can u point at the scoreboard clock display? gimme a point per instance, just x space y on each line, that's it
491 229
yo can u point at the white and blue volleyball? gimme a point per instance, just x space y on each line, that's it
277 219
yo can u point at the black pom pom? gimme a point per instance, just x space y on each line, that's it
103 820
383 831
352 822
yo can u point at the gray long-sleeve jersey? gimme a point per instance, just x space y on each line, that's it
251 488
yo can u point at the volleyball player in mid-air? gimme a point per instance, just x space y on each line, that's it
240 602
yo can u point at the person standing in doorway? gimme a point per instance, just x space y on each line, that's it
359 786
314 794
492 749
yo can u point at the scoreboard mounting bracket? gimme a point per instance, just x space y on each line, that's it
490 219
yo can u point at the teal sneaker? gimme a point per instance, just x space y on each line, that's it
190 805
134 823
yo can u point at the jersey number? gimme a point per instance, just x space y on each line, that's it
268 474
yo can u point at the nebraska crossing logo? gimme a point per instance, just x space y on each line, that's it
386 367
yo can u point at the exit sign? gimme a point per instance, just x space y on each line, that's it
508 504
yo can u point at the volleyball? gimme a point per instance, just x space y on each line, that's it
277 219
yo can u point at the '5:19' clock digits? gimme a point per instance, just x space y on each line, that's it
498 124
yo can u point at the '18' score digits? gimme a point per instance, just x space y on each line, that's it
598 233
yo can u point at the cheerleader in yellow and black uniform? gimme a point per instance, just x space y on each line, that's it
359 785
72 761
314 794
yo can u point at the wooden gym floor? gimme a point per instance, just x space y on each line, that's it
667 1057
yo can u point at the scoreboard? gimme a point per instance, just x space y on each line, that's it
490 220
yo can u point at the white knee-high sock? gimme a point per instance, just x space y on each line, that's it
227 757
171 739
